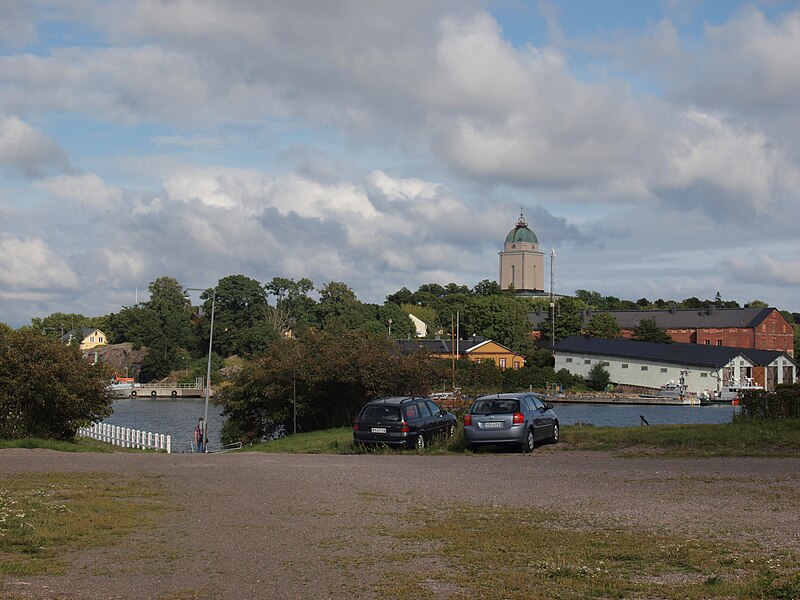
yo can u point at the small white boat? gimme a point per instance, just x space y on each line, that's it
120 387
732 390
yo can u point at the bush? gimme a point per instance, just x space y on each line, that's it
48 389
783 403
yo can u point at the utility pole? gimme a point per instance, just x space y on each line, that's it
553 300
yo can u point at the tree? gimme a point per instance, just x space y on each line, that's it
331 376
169 327
602 325
295 308
487 287
426 314
648 331
49 390
756 304
568 319
242 318
598 377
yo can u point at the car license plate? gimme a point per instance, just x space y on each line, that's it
378 430
490 424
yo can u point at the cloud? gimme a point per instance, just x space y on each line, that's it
763 269
87 191
26 150
29 265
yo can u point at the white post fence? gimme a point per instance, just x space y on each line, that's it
126 437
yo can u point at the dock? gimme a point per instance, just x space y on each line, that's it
171 390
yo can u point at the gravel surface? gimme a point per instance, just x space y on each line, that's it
253 525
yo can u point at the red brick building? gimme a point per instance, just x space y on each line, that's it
759 328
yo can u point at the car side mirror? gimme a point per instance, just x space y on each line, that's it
548 406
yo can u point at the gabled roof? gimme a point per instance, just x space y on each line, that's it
80 333
483 343
685 354
441 346
716 318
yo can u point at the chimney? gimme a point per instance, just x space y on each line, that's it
672 310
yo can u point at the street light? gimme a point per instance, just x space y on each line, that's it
208 368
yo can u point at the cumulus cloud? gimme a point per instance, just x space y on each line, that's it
87 191
30 265
26 150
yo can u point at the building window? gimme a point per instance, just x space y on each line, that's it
663 370
624 365
703 374
587 362
707 342
516 364
606 364
569 359
644 367
502 363
719 342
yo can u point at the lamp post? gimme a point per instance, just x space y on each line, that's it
208 368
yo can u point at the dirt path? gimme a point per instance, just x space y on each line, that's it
256 525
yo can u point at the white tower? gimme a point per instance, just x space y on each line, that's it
521 261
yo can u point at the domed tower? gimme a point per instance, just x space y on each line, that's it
521 261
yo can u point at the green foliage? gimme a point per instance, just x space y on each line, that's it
426 314
783 403
568 319
598 377
49 390
333 375
756 304
648 331
602 325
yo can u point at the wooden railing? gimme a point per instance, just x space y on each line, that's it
127 438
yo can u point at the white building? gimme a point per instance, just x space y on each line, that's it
648 365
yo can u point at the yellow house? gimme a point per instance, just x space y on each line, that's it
474 350
90 337
489 350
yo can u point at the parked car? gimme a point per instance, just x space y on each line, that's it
521 419
402 421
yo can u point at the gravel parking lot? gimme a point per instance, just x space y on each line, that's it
254 525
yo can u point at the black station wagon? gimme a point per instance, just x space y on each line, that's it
402 421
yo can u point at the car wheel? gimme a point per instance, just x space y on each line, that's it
554 437
527 445
420 442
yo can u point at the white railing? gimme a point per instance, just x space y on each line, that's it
127 438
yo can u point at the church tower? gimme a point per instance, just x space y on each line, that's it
521 261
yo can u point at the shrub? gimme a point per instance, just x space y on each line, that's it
783 403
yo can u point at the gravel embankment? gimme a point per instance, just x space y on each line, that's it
257 525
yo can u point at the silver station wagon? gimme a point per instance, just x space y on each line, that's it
519 419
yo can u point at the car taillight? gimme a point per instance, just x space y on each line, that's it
404 427
518 418
355 426
468 421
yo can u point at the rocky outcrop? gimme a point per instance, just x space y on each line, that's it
119 357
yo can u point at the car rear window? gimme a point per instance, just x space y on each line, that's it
381 413
494 407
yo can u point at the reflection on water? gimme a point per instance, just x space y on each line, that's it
174 417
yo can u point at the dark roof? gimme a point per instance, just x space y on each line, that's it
80 333
685 354
712 317
439 346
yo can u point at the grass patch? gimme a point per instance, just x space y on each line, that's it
45 515
79 444
742 438
492 552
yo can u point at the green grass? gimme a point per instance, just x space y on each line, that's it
501 552
45 515
743 438
79 444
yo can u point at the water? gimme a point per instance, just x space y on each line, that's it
628 415
176 418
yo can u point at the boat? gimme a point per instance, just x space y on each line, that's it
731 392
120 387
668 390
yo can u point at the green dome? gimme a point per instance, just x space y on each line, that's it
521 233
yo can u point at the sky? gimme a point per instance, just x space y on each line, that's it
654 145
